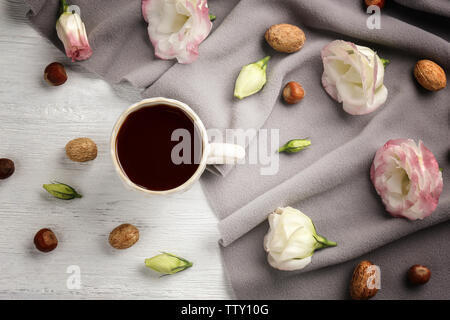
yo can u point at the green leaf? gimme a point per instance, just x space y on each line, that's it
385 62
61 191
212 17
295 145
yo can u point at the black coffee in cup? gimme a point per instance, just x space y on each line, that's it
159 147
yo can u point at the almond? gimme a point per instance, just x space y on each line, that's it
363 272
81 150
430 75
285 37
124 236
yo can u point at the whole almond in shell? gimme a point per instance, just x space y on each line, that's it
430 75
124 236
361 275
81 150
285 37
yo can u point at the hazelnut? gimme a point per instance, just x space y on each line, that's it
379 3
293 92
45 240
285 37
419 274
124 236
55 74
81 150
430 75
363 272
6 168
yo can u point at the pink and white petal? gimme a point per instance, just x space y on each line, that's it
177 28
329 88
424 184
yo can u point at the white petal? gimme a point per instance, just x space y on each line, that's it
289 265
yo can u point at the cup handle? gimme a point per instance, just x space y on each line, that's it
224 153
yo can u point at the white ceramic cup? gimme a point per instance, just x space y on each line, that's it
213 153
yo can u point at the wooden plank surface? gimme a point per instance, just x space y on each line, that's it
36 121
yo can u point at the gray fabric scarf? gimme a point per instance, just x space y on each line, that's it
329 181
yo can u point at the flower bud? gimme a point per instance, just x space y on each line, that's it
295 145
72 32
61 191
167 263
251 79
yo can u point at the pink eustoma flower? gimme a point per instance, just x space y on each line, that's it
408 179
72 32
177 27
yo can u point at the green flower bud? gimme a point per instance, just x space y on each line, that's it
61 191
251 79
295 145
167 263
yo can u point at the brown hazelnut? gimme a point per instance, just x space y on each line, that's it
124 236
6 168
285 37
419 274
81 150
430 75
55 74
293 92
379 3
45 240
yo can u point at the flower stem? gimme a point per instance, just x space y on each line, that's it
323 242
385 62
63 7
263 62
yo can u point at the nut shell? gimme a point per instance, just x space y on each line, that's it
45 240
7 168
285 37
430 75
419 274
124 236
358 285
81 150
379 3
293 92
55 74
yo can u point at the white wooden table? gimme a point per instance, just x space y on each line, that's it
36 121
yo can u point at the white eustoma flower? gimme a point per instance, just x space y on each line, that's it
354 76
177 27
292 239
72 32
